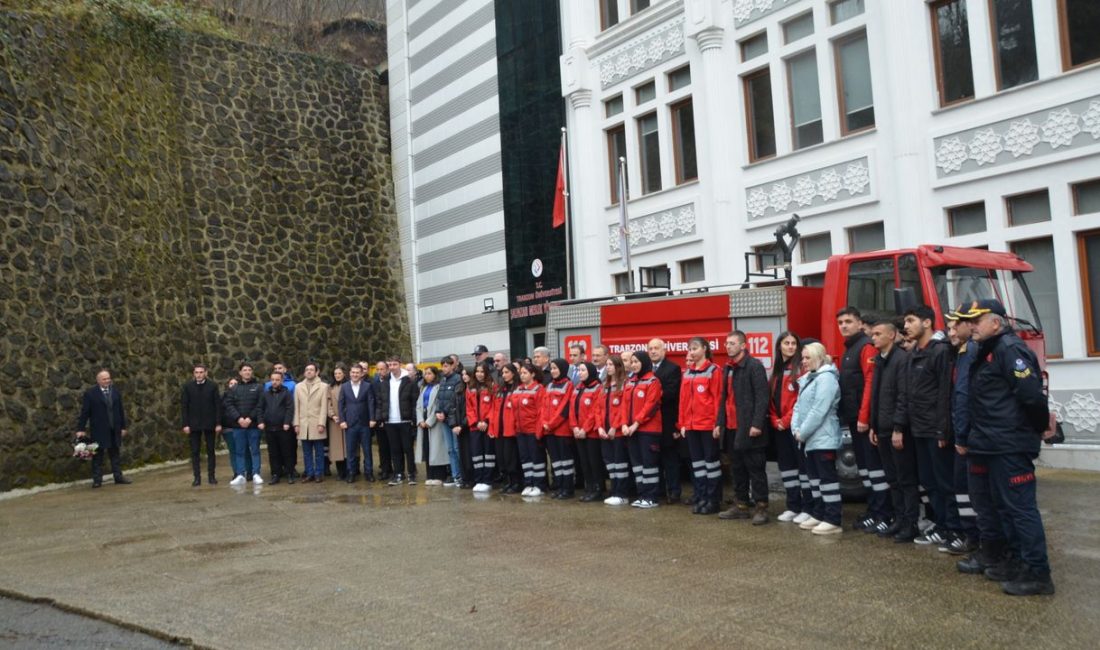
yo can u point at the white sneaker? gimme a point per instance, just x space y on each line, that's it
237 480
809 524
636 503
257 479
615 501
825 528
535 492
801 518
526 492
647 504
433 481
788 515
482 487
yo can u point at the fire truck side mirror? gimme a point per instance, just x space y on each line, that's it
904 298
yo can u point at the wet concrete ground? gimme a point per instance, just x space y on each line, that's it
39 626
365 565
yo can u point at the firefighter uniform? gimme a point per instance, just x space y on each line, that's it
700 395
856 372
526 403
642 405
554 419
584 415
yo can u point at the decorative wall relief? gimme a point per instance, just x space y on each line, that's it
819 187
659 227
642 53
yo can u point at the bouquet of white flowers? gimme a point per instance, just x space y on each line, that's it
85 450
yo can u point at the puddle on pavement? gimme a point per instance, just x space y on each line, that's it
212 548
376 500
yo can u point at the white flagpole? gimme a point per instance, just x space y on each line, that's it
624 225
565 192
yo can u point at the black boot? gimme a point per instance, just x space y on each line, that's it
1029 583
1005 570
985 557
197 482
341 469
892 529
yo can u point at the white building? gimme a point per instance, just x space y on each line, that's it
445 136
882 123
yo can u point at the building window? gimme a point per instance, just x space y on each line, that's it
1033 207
679 78
857 106
621 282
871 237
683 141
649 145
813 280
692 270
798 28
805 100
613 106
754 46
1080 24
638 5
616 148
1086 197
814 248
1088 257
951 40
966 219
841 10
766 257
656 277
609 13
761 119
1013 42
1043 284
645 93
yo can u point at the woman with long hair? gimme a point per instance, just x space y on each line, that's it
642 415
502 430
612 442
584 423
554 420
336 450
786 370
526 404
815 424
434 446
700 398
480 394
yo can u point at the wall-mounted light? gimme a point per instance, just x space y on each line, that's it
488 305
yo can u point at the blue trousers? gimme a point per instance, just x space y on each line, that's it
968 524
483 456
355 438
246 445
706 467
645 458
533 460
615 458
227 434
936 467
792 469
826 485
451 441
314 453
873 474
991 530
562 462
1012 480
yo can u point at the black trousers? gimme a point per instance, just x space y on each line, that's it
532 458
282 450
97 463
562 462
616 458
465 454
792 469
706 467
905 468
591 457
671 465
645 460
507 460
385 458
748 467
196 438
401 436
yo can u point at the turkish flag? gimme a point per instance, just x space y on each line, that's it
559 192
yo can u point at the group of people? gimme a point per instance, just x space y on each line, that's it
959 414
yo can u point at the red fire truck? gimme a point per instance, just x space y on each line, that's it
941 277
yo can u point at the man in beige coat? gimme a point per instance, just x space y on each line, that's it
311 422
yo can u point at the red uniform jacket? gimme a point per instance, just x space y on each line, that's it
586 409
526 404
503 423
784 393
700 392
610 413
554 418
642 403
479 406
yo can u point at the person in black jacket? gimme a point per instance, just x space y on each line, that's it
890 435
201 412
385 456
101 409
397 398
276 417
242 406
742 417
670 375
928 417
1008 414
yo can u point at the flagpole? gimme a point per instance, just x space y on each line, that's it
568 225
624 226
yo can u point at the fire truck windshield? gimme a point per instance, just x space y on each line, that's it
956 285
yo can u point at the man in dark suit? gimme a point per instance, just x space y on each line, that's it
670 376
356 405
201 411
102 410
385 458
